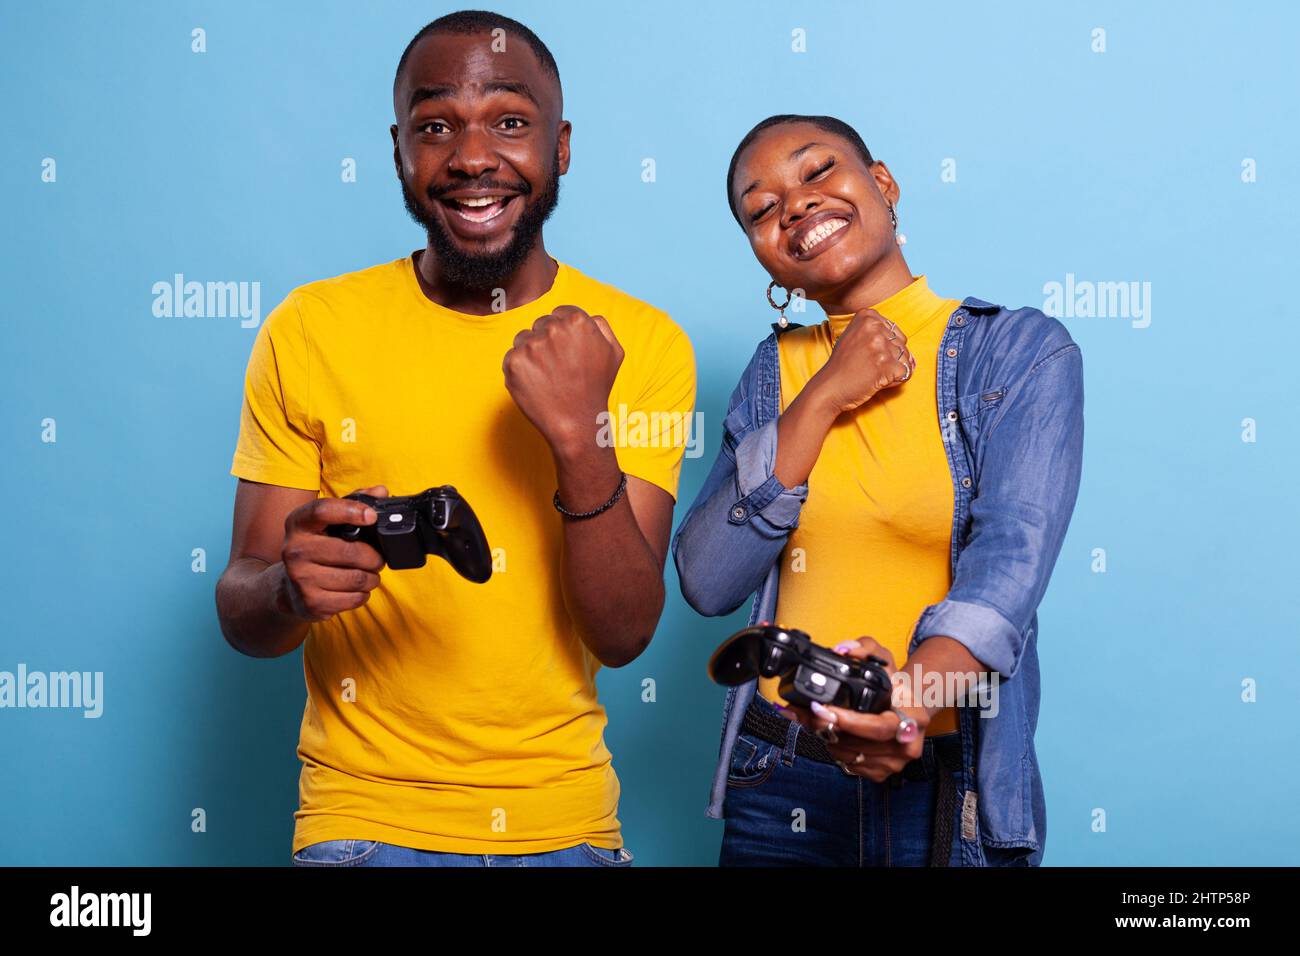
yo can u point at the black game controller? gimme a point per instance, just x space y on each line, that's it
410 527
808 671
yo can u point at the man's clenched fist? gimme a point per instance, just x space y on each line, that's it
560 373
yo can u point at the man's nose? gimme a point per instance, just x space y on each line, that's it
473 154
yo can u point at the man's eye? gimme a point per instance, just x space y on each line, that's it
821 169
441 127
761 213
513 122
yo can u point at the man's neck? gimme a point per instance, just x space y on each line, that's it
530 281
890 275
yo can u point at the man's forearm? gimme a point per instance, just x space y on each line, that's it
253 611
613 583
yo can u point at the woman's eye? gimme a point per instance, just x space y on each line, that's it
761 213
821 169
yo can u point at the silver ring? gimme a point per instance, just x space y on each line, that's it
907 727
908 375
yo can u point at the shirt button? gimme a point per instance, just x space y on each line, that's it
952 353
961 320
965 482
738 512
952 416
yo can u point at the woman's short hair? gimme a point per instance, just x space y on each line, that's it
828 123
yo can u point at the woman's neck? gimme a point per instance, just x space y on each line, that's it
886 277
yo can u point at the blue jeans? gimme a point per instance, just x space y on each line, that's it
784 809
374 853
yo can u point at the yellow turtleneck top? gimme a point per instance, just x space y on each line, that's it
873 542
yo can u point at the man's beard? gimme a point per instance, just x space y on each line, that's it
487 270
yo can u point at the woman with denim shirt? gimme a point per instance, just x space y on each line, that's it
905 469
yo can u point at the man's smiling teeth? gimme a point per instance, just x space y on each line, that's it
479 208
827 228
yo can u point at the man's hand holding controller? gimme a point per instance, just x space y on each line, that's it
323 575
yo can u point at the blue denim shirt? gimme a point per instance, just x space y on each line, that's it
1010 400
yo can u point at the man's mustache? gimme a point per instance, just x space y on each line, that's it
521 188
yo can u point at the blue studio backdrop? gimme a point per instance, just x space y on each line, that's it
1128 167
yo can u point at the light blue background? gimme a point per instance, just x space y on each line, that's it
225 166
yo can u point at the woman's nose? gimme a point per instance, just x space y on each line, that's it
798 207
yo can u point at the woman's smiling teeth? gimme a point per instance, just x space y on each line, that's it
820 232
479 208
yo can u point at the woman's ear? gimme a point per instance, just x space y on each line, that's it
885 182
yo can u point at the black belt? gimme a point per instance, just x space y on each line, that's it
766 724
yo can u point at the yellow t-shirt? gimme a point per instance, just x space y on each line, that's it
442 714
872 546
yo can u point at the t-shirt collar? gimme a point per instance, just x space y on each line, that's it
539 306
910 308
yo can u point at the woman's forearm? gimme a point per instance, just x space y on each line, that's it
946 658
800 433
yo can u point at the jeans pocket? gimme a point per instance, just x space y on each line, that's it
752 761
603 857
336 853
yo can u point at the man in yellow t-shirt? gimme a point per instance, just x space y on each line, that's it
449 722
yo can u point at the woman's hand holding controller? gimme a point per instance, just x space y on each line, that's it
867 745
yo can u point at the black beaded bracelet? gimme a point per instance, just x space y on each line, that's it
577 515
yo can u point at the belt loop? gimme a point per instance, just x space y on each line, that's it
791 739
968 723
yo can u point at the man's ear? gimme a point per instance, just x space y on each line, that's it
885 182
562 146
397 151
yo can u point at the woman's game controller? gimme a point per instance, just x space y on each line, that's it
808 671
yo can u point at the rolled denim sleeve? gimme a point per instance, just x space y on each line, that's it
761 498
1026 491
738 525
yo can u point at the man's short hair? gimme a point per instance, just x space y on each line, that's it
468 22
